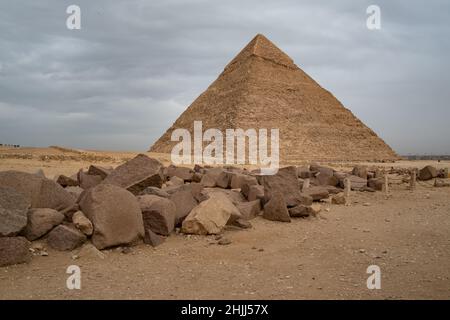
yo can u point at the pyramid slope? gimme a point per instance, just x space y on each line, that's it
263 88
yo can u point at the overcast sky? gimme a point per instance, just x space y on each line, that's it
121 81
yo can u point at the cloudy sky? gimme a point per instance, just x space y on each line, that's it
121 81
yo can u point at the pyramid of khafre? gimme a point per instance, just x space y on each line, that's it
263 88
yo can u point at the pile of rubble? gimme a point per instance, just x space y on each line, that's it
143 200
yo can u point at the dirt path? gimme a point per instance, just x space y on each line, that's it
407 236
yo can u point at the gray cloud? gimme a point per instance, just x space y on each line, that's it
122 79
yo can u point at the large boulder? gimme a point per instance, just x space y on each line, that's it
175 181
87 181
154 191
194 187
300 211
181 172
443 173
317 193
152 238
75 192
285 182
65 181
322 176
356 183
209 179
137 174
306 199
14 250
210 216
41 192
185 199
376 183
246 184
115 214
103 172
315 169
224 179
427 173
184 202
13 212
275 209
304 173
339 199
360 171
333 190
40 222
65 238
326 179
440 183
242 181
234 195
249 210
255 192
158 214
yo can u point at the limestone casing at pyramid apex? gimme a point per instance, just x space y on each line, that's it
262 47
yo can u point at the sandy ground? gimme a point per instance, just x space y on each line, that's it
406 234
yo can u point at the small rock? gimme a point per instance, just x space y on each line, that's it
315 208
14 250
339 199
242 223
126 250
152 238
65 238
90 251
224 242
37 246
82 223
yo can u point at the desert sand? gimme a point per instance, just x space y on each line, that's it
405 233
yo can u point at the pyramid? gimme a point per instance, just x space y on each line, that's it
263 88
